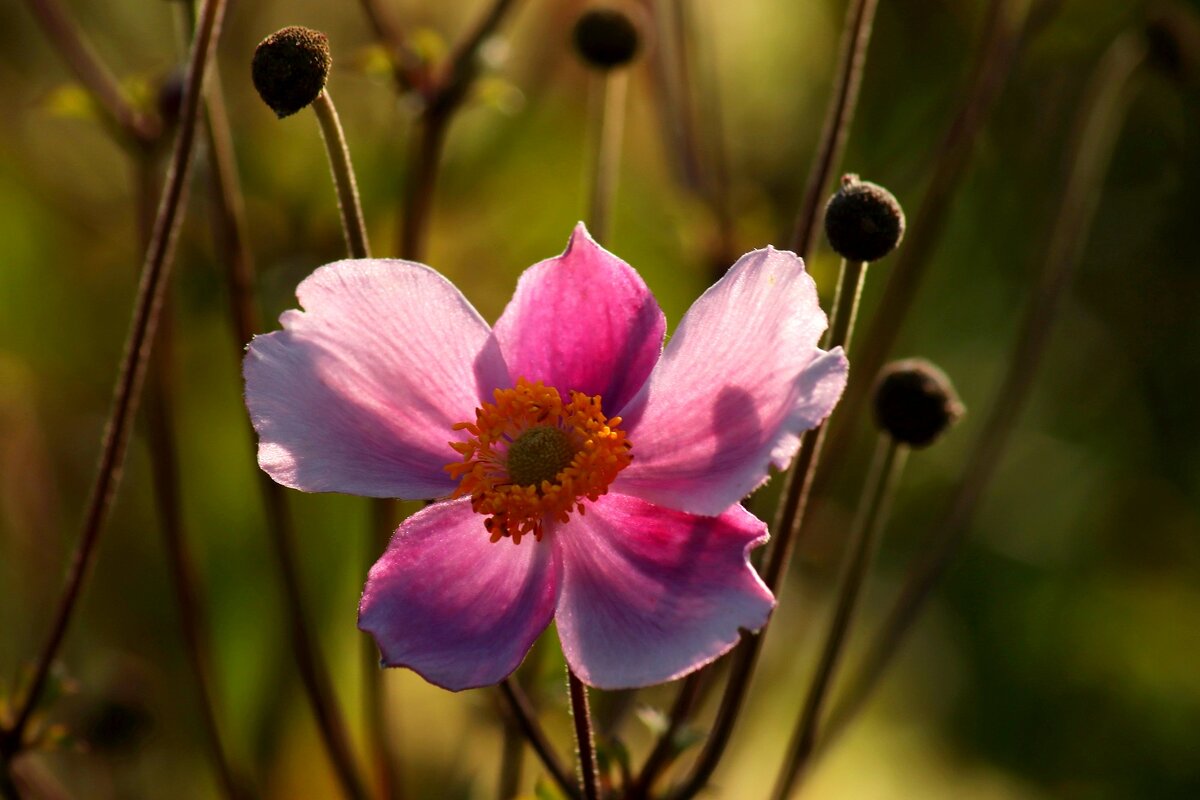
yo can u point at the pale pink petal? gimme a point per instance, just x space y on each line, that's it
583 321
358 392
739 380
451 605
650 594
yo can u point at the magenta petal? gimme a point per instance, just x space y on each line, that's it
650 594
358 392
583 321
739 380
456 608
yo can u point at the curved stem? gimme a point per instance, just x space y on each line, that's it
526 720
1098 124
353 226
155 272
868 526
584 742
839 114
664 749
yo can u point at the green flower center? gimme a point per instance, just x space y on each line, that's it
539 454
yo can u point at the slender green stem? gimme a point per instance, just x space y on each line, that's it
61 29
839 114
353 226
511 756
526 719
665 749
1098 123
585 744
155 272
869 523
608 126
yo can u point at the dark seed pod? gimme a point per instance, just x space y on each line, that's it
606 37
863 221
915 402
290 68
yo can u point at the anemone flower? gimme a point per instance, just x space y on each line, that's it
585 475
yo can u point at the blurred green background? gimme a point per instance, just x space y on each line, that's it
1061 658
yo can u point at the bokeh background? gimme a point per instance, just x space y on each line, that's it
1061 657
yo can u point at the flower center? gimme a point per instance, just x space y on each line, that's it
531 458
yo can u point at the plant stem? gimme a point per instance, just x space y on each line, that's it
133 126
608 90
1098 123
165 458
155 272
664 749
1004 34
511 756
230 233
787 526
343 176
526 720
584 742
839 114
872 516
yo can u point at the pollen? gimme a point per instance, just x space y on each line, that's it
532 459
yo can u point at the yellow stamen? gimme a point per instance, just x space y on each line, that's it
531 458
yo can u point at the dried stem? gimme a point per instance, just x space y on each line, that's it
585 744
155 272
1099 120
526 720
839 114
872 516
135 127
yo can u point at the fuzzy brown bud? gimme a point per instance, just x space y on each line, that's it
607 37
290 68
915 402
863 221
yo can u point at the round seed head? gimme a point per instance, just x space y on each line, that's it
915 402
607 37
290 67
864 221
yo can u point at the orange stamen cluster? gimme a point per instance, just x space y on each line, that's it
580 447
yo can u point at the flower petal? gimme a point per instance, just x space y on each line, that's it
650 594
358 393
739 380
456 608
583 321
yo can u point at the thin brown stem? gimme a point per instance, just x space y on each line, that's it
155 273
230 233
665 748
873 510
166 482
511 756
526 720
585 744
787 525
1003 36
839 114
375 698
133 126
1099 119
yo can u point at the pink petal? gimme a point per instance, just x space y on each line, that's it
451 605
583 321
358 392
650 594
739 380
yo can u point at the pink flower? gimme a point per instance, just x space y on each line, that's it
589 476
